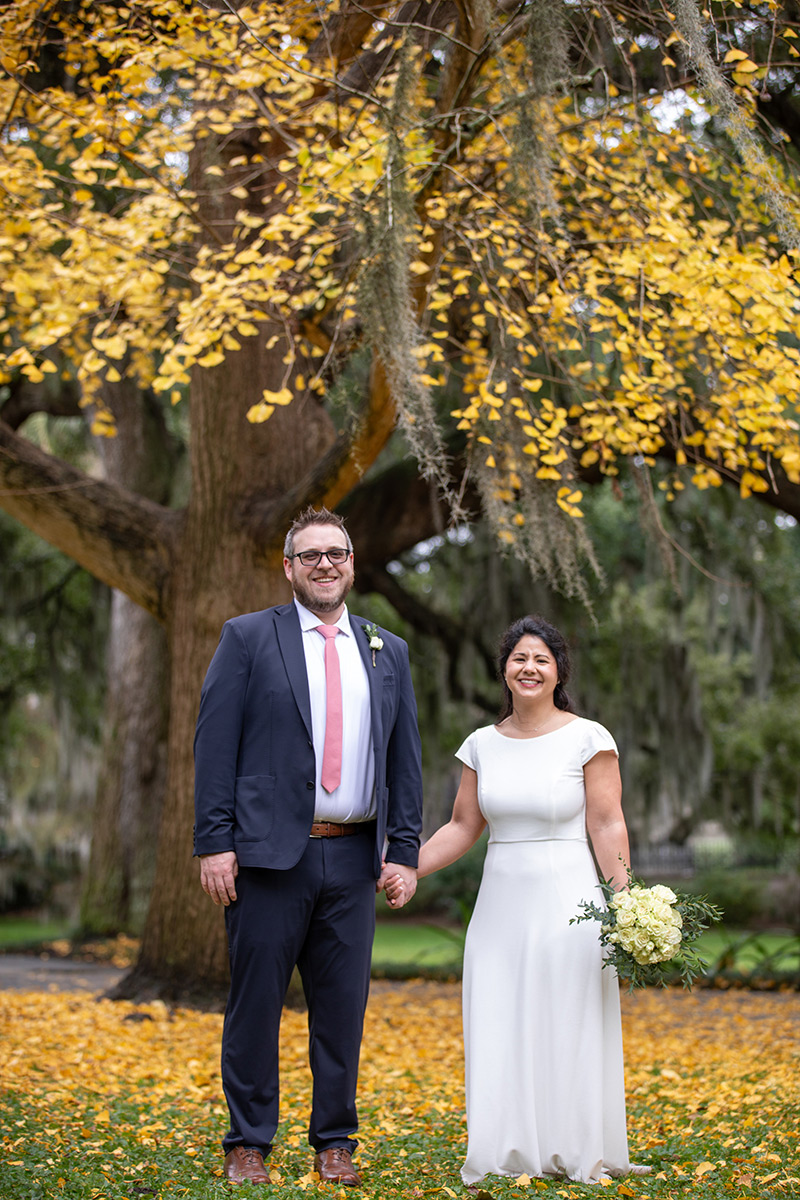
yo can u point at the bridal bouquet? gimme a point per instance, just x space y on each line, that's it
648 932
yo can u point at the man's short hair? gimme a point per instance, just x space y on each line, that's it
314 516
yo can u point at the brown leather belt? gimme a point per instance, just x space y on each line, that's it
330 829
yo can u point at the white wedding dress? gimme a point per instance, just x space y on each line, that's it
543 1044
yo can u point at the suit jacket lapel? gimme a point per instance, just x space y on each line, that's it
290 640
374 676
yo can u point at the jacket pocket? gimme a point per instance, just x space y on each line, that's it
389 701
254 807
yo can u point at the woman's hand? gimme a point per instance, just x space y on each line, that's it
395 889
398 881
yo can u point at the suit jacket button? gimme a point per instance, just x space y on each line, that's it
310 786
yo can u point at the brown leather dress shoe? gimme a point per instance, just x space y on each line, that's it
336 1166
245 1164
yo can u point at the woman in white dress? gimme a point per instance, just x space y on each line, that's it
542 1038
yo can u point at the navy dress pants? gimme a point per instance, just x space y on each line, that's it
319 915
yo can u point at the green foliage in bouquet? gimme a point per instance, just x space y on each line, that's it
648 932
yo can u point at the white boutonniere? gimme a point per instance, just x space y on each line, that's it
375 639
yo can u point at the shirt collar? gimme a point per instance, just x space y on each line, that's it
310 620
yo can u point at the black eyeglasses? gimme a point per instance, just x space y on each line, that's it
310 558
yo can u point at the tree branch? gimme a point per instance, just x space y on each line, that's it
390 512
782 495
342 468
447 630
367 69
122 539
26 398
342 36
338 471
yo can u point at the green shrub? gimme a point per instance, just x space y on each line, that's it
765 849
739 896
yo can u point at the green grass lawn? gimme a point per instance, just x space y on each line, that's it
748 949
405 943
22 932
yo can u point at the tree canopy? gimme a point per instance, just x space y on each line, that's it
528 231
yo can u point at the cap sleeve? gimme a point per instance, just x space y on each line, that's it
467 753
596 738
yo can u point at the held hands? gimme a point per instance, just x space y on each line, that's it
218 876
399 882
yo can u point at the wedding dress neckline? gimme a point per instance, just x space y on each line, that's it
535 736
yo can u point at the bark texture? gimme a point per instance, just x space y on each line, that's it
130 791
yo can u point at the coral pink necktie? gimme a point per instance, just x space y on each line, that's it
332 756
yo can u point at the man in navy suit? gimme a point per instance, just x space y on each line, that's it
295 861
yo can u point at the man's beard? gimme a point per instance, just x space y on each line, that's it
324 603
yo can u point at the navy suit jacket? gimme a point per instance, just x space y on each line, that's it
254 755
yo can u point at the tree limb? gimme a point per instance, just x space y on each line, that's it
122 539
26 398
338 471
391 511
342 36
447 630
343 466
782 495
368 68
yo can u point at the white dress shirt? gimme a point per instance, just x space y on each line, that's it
354 798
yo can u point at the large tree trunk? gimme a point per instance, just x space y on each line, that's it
222 569
132 779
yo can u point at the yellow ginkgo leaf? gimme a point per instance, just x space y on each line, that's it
212 359
283 397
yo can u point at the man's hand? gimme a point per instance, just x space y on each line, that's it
218 876
403 883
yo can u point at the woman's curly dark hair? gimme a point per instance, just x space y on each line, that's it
555 642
